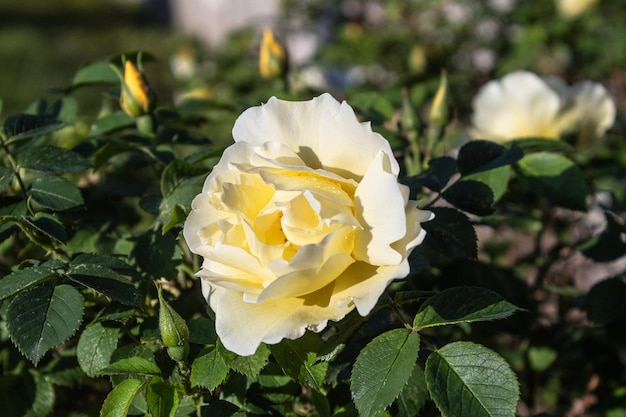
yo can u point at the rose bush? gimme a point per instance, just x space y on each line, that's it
301 221
521 104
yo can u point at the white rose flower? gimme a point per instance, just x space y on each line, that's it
521 104
301 221
574 8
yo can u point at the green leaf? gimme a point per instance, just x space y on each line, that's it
157 254
107 261
48 226
161 397
47 158
118 402
41 228
209 369
462 305
532 145
111 122
98 72
23 279
470 196
496 179
248 365
24 126
481 155
178 173
133 365
465 379
439 172
106 281
95 347
555 178
605 301
382 369
414 395
451 234
299 360
44 398
55 193
202 331
6 176
43 317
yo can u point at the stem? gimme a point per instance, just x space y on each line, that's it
14 166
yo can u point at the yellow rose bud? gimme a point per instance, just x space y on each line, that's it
438 114
137 98
174 330
272 57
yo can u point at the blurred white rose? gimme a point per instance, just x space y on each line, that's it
300 222
521 104
574 8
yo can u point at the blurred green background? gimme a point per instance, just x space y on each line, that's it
43 43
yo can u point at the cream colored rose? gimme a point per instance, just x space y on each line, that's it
521 104
574 8
301 221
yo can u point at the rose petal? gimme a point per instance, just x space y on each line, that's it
322 131
380 210
363 284
243 326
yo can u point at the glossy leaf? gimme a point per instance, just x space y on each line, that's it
55 193
131 365
299 359
23 279
95 347
532 145
481 155
439 172
251 365
43 317
108 261
496 179
97 72
462 305
555 178
471 196
25 126
466 379
451 234
413 395
161 397
177 173
111 122
47 158
382 369
118 402
208 369
106 281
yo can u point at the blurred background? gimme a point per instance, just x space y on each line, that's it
334 45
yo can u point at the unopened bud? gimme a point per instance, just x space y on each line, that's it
438 115
137 97
272 57
174 330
